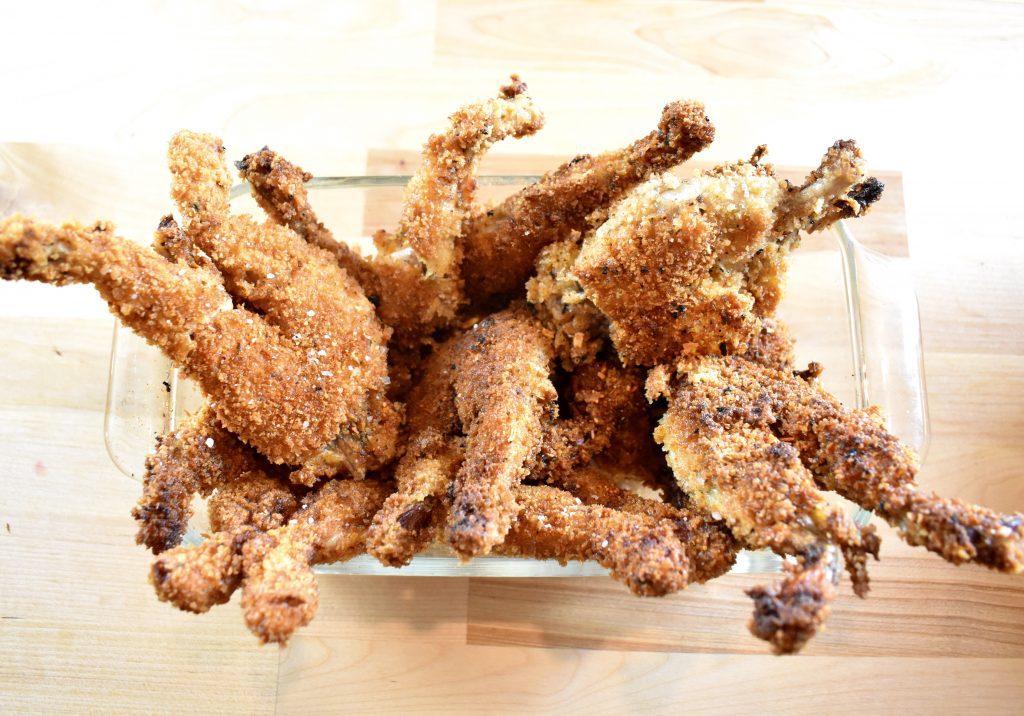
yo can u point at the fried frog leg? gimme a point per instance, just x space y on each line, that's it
643 553
414 278
412 515
852 453
267 380
690 267
279 591
196 458
710 547
350 424
196 578
502 243
273 568
503 393
722 450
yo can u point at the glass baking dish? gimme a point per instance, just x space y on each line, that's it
851 309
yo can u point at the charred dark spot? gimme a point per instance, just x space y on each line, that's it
417 517
604 270
160 573
782 450
867 192
289 601
812 371
490 212
166 222
243 164
167 386
723 348
374 299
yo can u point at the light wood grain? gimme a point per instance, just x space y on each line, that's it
390 677
917 607
928 88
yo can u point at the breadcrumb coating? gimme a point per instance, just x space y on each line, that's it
279 187
503 394
411 516
279 591
717 434
196 578
196 458
439 197
259 499
502 243
336 333
789 613
607 420
852 453
690 267
273 567
710 546
643 553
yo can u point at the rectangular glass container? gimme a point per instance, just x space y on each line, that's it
850 308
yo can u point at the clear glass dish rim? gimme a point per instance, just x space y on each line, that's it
438 561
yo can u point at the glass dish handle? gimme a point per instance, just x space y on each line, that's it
883 314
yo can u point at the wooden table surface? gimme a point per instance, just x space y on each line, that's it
929 89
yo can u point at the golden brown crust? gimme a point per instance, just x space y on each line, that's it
273 568
439 197
258 499
710 546
852 453
197 458
279 188
690 267
717 433
406 300
511 234
502 394
643 553
279 591
165 304
195 578
607 420
411 516
772 346
335 333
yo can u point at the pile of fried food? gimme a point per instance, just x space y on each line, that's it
491 378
